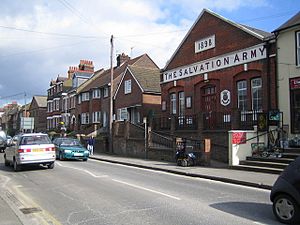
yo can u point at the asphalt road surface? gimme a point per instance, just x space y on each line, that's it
95 192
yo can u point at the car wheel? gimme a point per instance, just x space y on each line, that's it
16 166
286 209
6 162
61 158
51 165
85 159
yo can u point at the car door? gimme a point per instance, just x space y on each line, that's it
10 151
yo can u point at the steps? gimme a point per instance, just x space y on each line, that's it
269 164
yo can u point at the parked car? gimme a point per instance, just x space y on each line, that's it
70 148
2 141
285 194
28 149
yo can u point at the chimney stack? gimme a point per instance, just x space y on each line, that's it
121 58
86 65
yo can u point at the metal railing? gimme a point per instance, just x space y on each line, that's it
186 122
159 141
217 120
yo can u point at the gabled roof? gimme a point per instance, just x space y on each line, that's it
148 78
89 83
292 22
104 78
41 101
261 35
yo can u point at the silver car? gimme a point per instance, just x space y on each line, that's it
34 148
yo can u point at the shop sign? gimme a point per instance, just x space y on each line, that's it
251 54
205 44
238 138
295 83
225 97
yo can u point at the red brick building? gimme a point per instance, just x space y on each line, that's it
138 94
93 97
219 77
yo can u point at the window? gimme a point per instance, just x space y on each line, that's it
256 88
85 118
79 98
242 95
105 120
173 103
122 114
188 102
96 93
85 96
181 102
298 48
96 117
105 92
163 106
127 86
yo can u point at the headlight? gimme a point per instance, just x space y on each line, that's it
67 151
86 152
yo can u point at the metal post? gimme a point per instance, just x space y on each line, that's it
146 137
111 95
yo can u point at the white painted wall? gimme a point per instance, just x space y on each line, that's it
286 67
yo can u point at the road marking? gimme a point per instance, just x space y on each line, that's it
86 171
147 189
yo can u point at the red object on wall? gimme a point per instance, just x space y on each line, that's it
239 138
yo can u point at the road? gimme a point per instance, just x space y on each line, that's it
95 192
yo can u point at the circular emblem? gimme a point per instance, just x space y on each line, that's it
225 97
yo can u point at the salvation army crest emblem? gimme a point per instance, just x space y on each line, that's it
225 97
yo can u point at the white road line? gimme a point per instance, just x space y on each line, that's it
86 171
147 189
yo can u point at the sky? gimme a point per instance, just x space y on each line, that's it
40 39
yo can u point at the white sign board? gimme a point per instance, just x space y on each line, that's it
27 123
247 55
205 44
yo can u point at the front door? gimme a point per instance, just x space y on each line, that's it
209 105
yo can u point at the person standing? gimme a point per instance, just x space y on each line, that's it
91 143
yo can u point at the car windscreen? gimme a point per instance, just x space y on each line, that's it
69 142
35 140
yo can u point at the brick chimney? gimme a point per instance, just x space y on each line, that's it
122 58
86 65
71 71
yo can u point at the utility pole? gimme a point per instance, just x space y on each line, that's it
111 95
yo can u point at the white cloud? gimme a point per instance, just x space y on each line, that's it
154 27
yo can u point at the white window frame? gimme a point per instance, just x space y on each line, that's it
96 93
79 98
127 87
173 103
96 117
85 118
105 92
122 114
298 48
181 102
242 92
256 100
85 96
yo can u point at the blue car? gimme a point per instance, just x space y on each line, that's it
70 148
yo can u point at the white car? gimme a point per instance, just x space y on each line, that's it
34 148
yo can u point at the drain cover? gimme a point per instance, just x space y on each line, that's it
30 210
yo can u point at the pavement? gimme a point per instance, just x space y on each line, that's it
216 171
